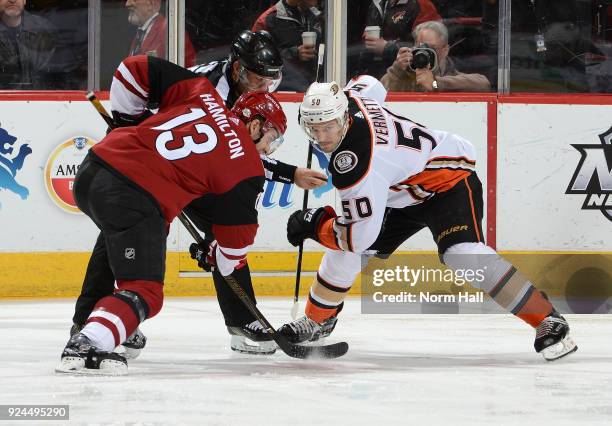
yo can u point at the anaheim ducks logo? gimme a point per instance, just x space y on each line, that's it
593 176
345 161
334 89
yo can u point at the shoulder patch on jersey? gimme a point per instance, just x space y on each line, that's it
345 161
351 161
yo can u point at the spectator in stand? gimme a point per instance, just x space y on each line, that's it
27 46
396 20
151 37
286 21
444 78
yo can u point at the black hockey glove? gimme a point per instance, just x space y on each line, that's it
204 254
303 224
126 120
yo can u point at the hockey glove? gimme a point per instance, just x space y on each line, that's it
204 254
126 120
304 224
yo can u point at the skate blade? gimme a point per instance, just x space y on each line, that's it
240 344
76 366
559 350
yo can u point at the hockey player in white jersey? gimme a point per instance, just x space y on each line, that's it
395 177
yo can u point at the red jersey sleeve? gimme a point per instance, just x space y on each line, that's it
235 223
142 80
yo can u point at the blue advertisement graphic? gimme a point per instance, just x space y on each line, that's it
284 198
323 163
10 164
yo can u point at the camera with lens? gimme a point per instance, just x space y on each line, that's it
423 55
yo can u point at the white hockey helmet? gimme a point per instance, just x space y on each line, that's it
323 102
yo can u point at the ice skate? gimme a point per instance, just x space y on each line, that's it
76 328
80 356
134 344
552 338
252 339
306 330
130 349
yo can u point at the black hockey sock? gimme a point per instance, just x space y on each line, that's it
99 282
234 311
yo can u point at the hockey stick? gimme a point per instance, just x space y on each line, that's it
298 271
91 97
296 351
334 350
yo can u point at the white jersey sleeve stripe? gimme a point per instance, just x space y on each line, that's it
127 75
124 101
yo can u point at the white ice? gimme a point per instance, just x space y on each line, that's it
417 369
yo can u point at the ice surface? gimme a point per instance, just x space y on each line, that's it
400 369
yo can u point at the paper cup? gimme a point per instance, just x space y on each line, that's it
309 38
373 31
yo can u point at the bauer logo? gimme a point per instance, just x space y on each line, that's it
61 169
11 162
593 175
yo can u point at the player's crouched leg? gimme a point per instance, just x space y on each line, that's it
114 318
515 293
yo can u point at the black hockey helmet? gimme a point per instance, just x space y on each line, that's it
257 53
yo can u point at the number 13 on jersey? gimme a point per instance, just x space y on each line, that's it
189 144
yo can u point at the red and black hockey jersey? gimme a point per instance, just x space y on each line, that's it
193 146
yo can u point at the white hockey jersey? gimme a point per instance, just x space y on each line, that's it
386 160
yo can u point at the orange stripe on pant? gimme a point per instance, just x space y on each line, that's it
473 210
439 180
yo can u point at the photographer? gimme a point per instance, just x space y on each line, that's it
427 67
394 20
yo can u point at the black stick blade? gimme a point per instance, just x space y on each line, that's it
334 350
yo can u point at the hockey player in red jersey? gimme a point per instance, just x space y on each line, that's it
254 64
396 177
139 178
